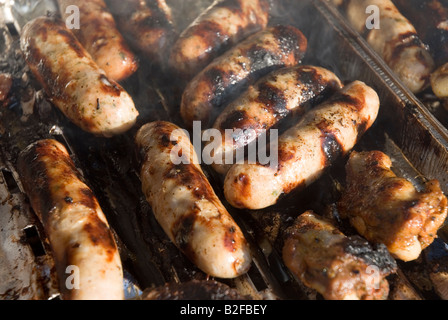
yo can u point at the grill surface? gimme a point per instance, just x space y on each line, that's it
405 130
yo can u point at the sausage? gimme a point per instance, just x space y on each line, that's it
185 204
430 19
217 29
73 81
439 82
304 151
99 35
147 25
228 75
265 104
76 227
396 41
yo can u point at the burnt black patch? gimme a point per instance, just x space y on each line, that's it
233 120
190 176
261 59
291 40
347 99
331 147
36 181
373 255
273 100
219 82
182 231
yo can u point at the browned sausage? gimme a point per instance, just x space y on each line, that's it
227 76
73 81
147 25
223 24
99 35
186 205
76 226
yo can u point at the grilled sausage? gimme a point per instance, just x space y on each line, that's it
439 82
147 26
228 75
430 19
265 104
99 35
185 204
305 150
337 266
223 24
73 81
76 227
396 41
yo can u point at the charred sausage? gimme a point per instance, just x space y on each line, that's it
99 35
228 75
147 25
73 81
265 104
76 226
305 150
186 205
222 25
430 19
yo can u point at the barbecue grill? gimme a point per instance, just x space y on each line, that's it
414 135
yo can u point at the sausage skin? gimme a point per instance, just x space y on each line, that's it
73 81
147 26
185 204
99 35
76 227
217 29
265 104
231 73
305 150
396 41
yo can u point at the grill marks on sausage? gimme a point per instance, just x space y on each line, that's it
227 78
100 235
44 190
191 177
401 43
273 99
147 25
248 17
331 146
45 74
290 41
219 81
